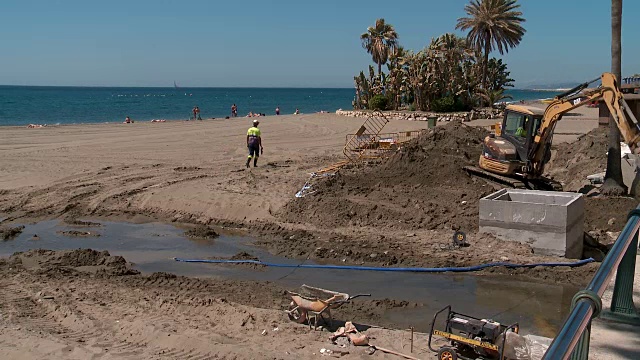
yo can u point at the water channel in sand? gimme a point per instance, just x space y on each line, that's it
539 308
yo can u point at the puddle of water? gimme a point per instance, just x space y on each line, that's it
539 308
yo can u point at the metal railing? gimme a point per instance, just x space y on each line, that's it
573 339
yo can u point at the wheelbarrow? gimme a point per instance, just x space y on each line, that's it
312 304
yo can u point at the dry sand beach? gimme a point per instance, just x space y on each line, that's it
400 212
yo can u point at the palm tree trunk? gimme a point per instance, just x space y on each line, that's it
380 70
485 63
614 184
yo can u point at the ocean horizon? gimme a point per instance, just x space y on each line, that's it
22 105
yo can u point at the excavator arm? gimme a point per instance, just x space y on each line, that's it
609 92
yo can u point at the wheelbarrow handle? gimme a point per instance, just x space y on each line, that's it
355 296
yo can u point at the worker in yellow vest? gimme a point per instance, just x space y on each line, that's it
254 143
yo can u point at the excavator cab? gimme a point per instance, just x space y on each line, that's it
507 153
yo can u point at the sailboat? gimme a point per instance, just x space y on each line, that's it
175 85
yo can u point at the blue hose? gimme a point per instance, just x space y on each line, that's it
405 269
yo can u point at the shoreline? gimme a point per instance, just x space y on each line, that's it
151 122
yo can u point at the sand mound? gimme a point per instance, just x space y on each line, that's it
201 232
421 186
50 261
575 161
8 233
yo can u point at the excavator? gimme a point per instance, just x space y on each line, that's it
517 153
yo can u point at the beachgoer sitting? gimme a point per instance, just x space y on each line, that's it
128 120
297 112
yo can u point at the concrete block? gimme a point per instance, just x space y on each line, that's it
551 222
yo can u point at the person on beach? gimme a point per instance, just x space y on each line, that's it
197 114
234 110
254 144
277 110
194 111
297 112
128 120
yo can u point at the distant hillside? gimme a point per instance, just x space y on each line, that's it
550 85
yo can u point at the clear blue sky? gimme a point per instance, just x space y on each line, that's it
278 43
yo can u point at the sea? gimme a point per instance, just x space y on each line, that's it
52 105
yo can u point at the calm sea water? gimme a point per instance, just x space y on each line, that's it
20 105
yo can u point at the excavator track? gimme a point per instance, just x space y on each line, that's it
502 180
537 184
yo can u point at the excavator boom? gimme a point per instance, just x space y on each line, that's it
610 94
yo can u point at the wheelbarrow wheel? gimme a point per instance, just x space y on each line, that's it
296 314
447 353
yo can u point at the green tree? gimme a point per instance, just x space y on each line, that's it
492 25
380 41
497 75
613 183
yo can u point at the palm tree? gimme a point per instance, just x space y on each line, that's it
380 41
492 25
613 183
494 97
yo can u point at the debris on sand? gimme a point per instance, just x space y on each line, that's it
422 186
201 232
8 233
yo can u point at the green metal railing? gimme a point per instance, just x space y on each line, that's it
573 339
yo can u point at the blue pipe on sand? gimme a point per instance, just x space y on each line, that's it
377 268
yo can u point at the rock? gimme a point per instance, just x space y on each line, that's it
613 235
423 116
373 256
611 221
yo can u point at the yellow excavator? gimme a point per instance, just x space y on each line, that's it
521 147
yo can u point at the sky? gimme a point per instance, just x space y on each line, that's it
283 43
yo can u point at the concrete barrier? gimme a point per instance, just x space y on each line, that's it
551 222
